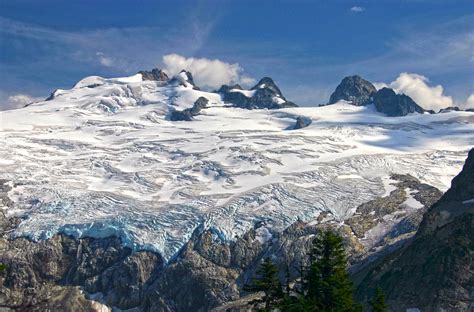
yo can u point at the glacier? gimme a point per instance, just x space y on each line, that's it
103 158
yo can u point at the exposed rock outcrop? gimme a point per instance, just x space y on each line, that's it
189 113
184 78
232 94
265 94
301 122
155 74
449 109
360 92
391 104
353 89
98 265
369 214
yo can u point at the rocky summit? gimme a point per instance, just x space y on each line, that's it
155 74
354 89
265 94
359 92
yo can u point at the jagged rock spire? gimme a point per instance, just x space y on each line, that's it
267 82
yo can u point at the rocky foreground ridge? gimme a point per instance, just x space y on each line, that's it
435 272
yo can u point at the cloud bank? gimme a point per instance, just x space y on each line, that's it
470 101
18 101
207 73
416 86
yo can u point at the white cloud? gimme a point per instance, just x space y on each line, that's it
206 72
380 85
357 9
104 60
17 101
469 102
416 87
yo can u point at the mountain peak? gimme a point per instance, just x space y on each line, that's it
267 82
265 94
227 88
155 74
354 89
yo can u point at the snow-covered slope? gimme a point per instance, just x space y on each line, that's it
103 158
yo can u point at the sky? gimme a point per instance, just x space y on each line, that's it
422 48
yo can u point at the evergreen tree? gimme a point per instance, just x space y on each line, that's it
378 301
268 282
327 284
287 281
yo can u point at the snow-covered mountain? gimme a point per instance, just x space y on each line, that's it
105 157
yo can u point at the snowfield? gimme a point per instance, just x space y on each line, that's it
103 159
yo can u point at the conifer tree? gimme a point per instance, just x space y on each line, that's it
268 282
328 286
378 301
287 281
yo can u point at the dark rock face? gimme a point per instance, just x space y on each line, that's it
267 83
189 113
435 272
301 122
462 186
457 201
354 89
361 92
155 74
184 78
238 99
266 95
450 109
51 96
392 104
189 76
96 264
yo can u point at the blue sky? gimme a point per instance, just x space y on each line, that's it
306 46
